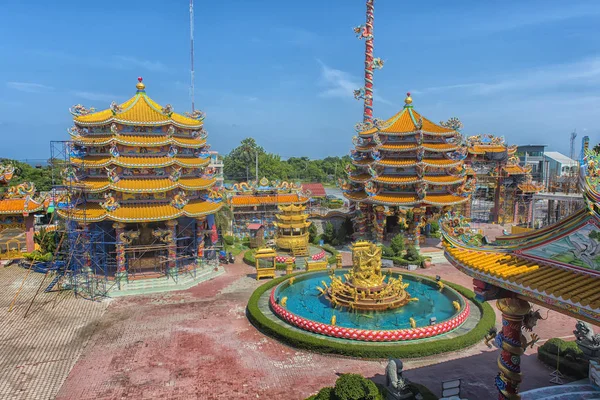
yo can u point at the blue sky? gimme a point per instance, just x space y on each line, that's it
283 71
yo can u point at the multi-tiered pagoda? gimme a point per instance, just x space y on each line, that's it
406 162
292 229
140 187
500 177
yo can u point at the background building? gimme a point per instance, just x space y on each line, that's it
216 163
533 154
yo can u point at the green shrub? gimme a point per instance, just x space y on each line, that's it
324 394
571 359
412 254
397 260
365 349
387 251
228 240
37 256
246 241
397 245
355 387
434 227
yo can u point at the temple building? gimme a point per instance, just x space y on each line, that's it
292 229
140 202
258 202
405 163
557 267
504 190
18 206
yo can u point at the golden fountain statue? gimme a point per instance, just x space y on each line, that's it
365 288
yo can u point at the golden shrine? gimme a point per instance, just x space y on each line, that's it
292 229
500 176
17 208
140 189
406 162
365 287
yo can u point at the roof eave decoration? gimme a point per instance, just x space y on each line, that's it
139 110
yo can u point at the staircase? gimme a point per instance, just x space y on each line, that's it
300 250
575 391
182 281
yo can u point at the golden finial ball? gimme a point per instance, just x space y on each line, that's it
408 99
140 85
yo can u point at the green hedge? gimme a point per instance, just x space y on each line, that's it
365 349
330 249
228 240
572 361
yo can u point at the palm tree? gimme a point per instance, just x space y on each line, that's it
223 219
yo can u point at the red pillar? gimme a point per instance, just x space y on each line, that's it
29 232
509 340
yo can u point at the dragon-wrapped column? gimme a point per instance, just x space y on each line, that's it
172 248
120 250
200 228
509 340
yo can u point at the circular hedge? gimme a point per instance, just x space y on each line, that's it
318 344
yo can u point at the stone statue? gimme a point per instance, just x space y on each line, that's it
587 340
396 385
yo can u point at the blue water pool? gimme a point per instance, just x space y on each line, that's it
304 300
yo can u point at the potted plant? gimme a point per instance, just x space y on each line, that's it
426 262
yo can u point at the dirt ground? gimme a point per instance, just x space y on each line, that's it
198 344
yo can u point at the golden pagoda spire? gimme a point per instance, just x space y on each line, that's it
140 86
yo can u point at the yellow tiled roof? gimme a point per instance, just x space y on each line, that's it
359 177
533 276
435 162
19 206
291 208
138 140
487 148
402 123
251 200
141 212
139 110
139 162
144 185
432 179
295 226
515 170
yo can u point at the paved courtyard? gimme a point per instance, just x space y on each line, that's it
197 343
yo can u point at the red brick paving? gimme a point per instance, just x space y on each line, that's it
198 343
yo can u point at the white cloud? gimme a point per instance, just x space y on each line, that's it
93 96
584 72
341 84
29 87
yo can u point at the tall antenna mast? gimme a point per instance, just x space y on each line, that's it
192 52
573 136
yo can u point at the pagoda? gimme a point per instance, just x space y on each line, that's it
404 163
557 267
139 188
259 201
496 168
18 205
292 229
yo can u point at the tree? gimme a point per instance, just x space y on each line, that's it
239 164
597 148
412 254
312 233
397 244
329 234
223 219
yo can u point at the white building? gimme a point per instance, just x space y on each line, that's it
216 162
559 165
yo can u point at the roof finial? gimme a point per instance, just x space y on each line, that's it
140 86
408 99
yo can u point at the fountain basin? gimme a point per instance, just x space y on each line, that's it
306 310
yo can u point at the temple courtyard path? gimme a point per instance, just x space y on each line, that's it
198 343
